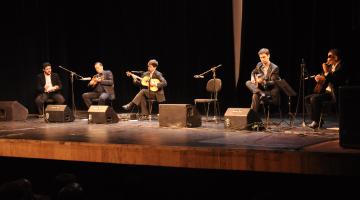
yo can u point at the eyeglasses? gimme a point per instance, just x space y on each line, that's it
330 56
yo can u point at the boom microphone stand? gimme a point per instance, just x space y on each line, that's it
72 74
215 93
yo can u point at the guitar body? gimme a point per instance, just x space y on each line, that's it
319 86
153 81
145 81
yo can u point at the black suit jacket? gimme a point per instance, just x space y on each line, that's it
40 83
108 83
336 78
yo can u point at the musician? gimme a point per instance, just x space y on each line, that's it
333 75
145 93
262 82
102 84
48 86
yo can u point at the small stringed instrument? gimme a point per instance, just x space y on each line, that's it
95 80
146 81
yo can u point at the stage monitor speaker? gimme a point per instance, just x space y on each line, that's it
349 108
178 115
12 111
102 115
242 118
58 113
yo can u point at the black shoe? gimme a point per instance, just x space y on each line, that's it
128 106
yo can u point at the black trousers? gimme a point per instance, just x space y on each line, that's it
140 99
255 102
43 97
89 96
315 104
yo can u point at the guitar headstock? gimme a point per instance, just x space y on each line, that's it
128 73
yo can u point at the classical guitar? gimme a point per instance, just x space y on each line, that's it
319 86
146 81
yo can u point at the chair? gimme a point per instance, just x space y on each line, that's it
326 106
213 86
267 107
150 103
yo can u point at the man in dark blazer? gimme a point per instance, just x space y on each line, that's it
156 93
262 83
103 86
48 86
334 75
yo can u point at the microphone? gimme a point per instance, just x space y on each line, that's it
198 76
85 79
137 72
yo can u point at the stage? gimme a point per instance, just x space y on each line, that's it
280 148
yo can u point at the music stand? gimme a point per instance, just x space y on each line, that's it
287 89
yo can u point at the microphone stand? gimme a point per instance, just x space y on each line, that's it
72 74
215 93
302 65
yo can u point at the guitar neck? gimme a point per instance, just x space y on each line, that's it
135 76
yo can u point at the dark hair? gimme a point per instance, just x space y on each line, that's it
336 52
264 50
45 64
98 63
153 62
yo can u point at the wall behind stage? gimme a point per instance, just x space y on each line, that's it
186 37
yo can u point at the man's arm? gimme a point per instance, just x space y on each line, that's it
108 79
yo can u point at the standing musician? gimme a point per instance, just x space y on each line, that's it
328 82
262 83
102 84
48 86
154 82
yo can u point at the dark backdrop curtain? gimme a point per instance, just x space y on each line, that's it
186 37
293 30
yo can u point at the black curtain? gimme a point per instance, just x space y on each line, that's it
295 30
186 37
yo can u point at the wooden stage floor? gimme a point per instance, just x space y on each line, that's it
280 148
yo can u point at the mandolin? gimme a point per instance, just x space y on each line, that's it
96 79
146 81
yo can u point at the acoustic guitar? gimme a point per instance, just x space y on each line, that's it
319 86
146 81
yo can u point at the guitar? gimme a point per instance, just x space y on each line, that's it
259 80
146 81
95 80
319 86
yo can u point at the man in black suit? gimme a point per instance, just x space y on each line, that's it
103 86
262 83
155 83
333 75
48 86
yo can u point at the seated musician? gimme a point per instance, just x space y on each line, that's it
102 84
262 83
154 82
49 87
328 82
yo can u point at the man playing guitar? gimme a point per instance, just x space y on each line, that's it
328 82
154 82
102 84
262 83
